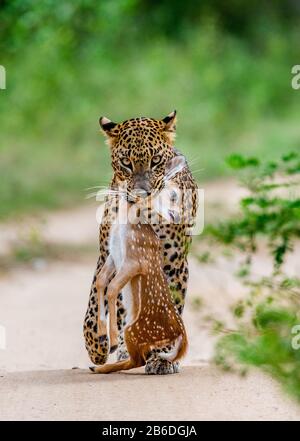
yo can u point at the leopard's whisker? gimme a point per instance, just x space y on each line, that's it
103 193
97 186
193 161
194 172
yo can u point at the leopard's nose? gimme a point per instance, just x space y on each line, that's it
141 184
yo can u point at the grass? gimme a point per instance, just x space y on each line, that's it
229 96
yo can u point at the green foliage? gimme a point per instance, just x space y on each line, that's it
266 316
269 348
197 303
204 257
268 210
68 62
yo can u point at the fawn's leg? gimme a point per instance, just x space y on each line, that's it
135 360
126 273
102 281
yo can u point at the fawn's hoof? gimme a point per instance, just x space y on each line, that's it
92 368
161 367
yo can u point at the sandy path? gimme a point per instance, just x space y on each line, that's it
199 393
42 310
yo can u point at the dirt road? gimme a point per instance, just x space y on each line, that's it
42 308
197 393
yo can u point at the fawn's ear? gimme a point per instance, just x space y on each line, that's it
169 122
174 166
109 128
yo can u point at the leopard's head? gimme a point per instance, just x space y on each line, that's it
140 151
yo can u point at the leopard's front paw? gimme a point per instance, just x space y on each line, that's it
159 366
100 350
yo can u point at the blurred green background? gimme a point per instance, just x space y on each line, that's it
224 65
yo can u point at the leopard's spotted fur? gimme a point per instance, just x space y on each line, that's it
140 150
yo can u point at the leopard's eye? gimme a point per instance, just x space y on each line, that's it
155 160
126 162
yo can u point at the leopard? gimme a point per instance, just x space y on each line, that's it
141 149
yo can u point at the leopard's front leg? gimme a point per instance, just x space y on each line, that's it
97 345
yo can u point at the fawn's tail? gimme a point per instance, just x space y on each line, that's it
179 350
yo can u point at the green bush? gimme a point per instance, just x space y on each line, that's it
265 318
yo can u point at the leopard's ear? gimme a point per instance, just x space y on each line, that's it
109 128
169 122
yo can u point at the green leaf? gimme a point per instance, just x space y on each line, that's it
289 156
236 161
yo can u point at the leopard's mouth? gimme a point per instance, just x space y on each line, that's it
138 195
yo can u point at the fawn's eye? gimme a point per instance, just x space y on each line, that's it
173 196
126 162
155 160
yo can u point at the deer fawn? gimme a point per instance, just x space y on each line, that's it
136 260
